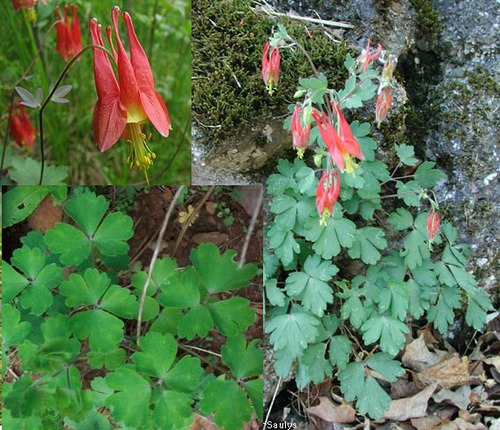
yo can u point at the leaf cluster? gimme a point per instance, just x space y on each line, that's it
68 311
339 292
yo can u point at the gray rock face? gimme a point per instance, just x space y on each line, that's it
465 140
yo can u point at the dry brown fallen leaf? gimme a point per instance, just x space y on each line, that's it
460 397
329 411
426 423
451 371
410 407
417 356
202 423
460 424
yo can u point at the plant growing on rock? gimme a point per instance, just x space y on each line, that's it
71 312
347 269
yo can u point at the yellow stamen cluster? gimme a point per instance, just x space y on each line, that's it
140 155
323 221
350 165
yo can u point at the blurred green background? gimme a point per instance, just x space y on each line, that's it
164 29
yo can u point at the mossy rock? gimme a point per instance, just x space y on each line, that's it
228 91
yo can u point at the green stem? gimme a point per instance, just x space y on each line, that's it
152 33
54 89
13 94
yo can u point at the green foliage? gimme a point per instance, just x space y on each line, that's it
342 289
63 326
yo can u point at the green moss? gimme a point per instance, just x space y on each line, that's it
427 18
228 91
481 79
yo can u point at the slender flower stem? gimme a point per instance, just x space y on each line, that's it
152 33
51 93
13 94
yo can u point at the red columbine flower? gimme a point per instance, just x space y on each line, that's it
20 127
365 59
300 133
327 194
123 106
433 221
69 34
28 7
270 67
384 102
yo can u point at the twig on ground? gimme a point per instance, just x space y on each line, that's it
155 257
251 228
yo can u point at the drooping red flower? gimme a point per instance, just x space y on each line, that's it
69 34
22 130
270 67
327 194
366 59
433 221
330 138
27 4
384 102
350 145
300 133
125 104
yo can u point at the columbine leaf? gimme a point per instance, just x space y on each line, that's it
479 304
406 154
352 308
427 176
329 240
284 244
130 388
172 409
409 192
390 331
394 297
401 219
90 324
70 242
311 286
416 249
313 366
58 96
120 301
26 171
352 380
385 365
255 390
228 402
87 210
13 283
340 349
285 208
157 354
232 316
181 291
20 202
220 272
243 360
292 331
367 242
197 322
274 294
373 400
14 331
86 289
112 235
441 314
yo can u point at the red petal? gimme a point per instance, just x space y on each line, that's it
129 90
157 111
151 101
110 119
